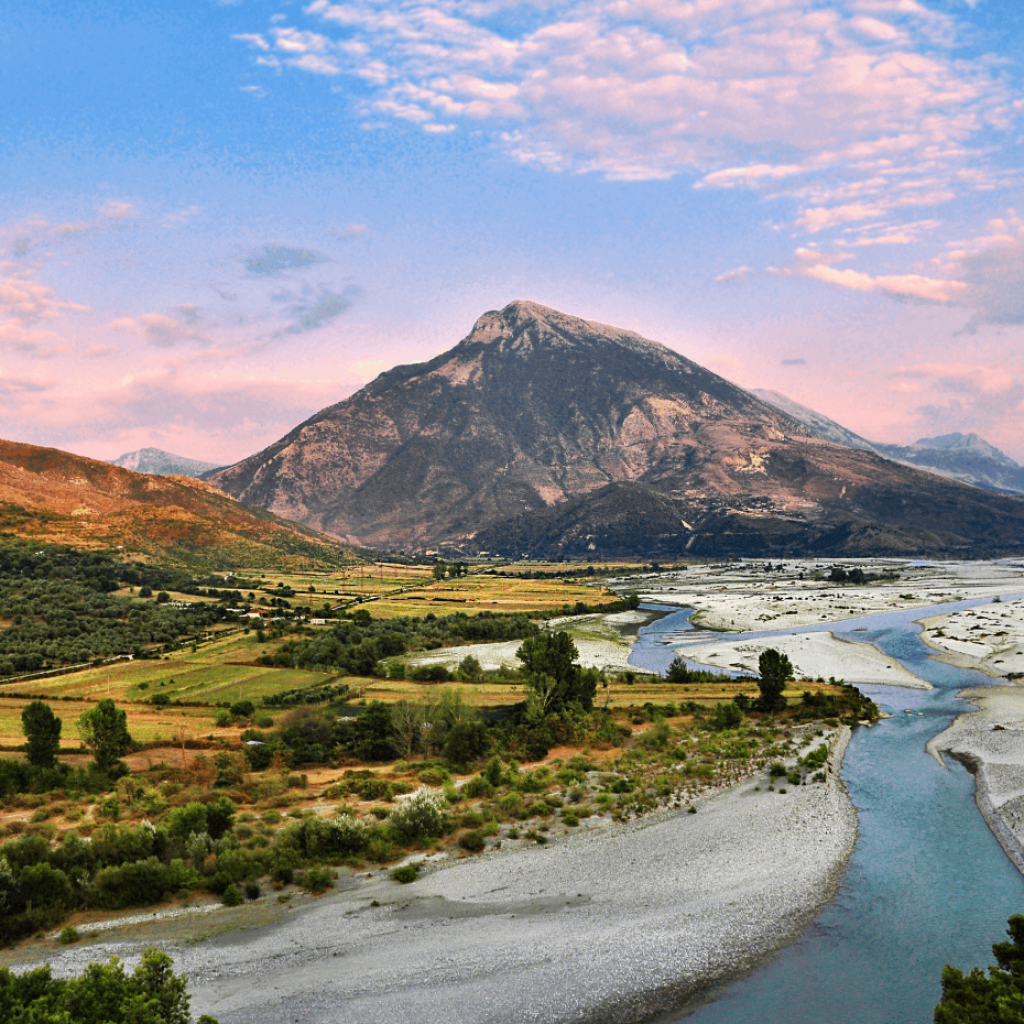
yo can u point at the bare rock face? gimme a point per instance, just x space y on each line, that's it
543 433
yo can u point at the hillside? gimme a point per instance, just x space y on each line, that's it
50 495
542 433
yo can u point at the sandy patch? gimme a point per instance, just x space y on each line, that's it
814 656
603 654
989 638
598 638
748 597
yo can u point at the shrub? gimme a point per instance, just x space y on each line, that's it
345 835
318 880
655 738
222 719
405 874
252 890
472 841
68 935
423 816
232 897
494 773
478 786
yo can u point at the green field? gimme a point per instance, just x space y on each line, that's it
223 670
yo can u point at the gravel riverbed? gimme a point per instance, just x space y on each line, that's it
612 925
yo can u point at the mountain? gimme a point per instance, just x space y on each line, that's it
820 426
546 434
964 457
161 463
50 495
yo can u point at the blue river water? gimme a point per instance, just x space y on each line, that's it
927 883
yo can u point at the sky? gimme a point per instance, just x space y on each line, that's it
217 218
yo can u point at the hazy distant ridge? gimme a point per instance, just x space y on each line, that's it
964 457
161 463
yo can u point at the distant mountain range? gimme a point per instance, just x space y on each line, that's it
50 495
161 463
544 434
964 457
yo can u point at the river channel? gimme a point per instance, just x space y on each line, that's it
927 883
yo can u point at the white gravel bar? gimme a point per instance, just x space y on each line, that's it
613 925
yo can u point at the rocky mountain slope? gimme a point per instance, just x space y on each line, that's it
161 463
544 433
821 426
50 495
964 457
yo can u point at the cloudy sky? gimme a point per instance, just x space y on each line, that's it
217 218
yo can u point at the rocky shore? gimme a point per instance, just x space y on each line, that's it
613 925
989 742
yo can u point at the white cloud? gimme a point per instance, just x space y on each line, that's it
851 109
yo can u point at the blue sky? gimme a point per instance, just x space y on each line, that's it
217 218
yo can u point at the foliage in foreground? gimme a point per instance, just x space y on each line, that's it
102 994
995 998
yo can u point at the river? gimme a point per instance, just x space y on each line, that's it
927 883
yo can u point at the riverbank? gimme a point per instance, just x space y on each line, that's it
614 925
989 742
602 640
813 656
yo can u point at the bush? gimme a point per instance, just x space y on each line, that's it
252 890
104 992
477 787
318 880
423 816
232 897
68 935
405 874
472 841
131 885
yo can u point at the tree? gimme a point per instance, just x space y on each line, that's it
152 994
997 998
104 730
554 679
42 734
678 671
775 669
407 725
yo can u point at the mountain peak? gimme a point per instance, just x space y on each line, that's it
157 462
520 316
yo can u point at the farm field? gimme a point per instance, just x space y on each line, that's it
618 695
478 593
222 670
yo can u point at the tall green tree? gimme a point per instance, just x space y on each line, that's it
775 669
995 998
42 734
554 679
104 730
